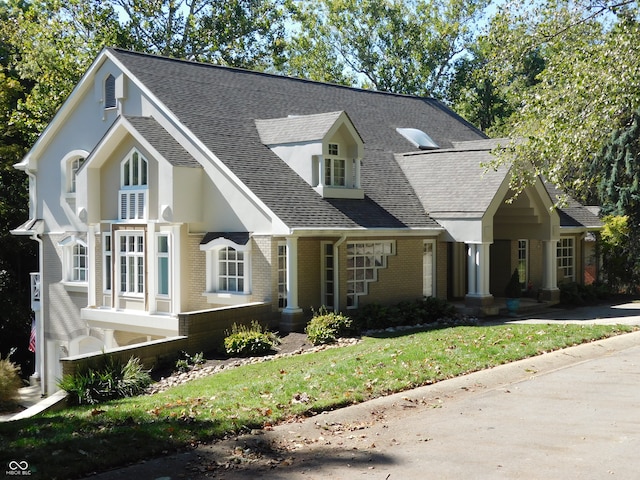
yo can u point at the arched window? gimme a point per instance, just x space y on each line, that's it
110 92
133 187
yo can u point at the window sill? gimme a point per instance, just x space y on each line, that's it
227 298
82 287
340 192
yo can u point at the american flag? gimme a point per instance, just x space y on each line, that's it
32 337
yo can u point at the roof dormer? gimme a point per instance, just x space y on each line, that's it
325 149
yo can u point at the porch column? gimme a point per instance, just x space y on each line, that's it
109 341
550 291
472 267
478 262
292 319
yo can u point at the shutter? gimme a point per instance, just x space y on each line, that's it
141 202
123 206
110 92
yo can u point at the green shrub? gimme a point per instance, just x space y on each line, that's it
247 341
187 362
111 379
575 294
326 327
424 311
9 383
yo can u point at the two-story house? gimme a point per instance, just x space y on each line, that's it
164 187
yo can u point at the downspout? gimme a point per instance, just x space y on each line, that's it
336 273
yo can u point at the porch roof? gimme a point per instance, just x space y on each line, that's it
452 183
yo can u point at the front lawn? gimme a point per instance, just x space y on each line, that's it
77 441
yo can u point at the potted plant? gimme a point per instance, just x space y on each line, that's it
513 292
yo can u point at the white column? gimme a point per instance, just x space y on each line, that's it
292 276
550 269
109 341
471 269
91 263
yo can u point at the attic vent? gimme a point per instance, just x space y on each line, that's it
110 92
418 138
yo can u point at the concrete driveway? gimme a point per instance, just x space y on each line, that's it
571 414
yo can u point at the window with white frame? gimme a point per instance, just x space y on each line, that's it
164 266
334 167
79 269
110 92
75 260
565 256
133 187
107 257
230 270
282 275
72 172
428 269
523 262
327 276
131 253
364 260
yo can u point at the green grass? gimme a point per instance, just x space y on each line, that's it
81 440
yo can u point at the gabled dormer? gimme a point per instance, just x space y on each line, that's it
325 149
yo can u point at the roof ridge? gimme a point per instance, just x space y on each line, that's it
429 98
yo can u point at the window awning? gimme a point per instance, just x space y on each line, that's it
239 238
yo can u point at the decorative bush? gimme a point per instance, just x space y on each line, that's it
247 341
424 311
110 380
326 327
575 294
513 288
9 383
187 362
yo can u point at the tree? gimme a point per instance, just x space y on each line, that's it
476 93
388 45
590 83
617 166
241 33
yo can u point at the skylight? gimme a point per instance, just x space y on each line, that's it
418 138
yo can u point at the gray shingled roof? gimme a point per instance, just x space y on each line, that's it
296 129
164 143
220 106
572 213
452 182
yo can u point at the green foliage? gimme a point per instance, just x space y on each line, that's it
9 383
427 310
111 379
617 169
326 327
246 341
187 362
587 87
513 288
390 45
239 33
575 294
